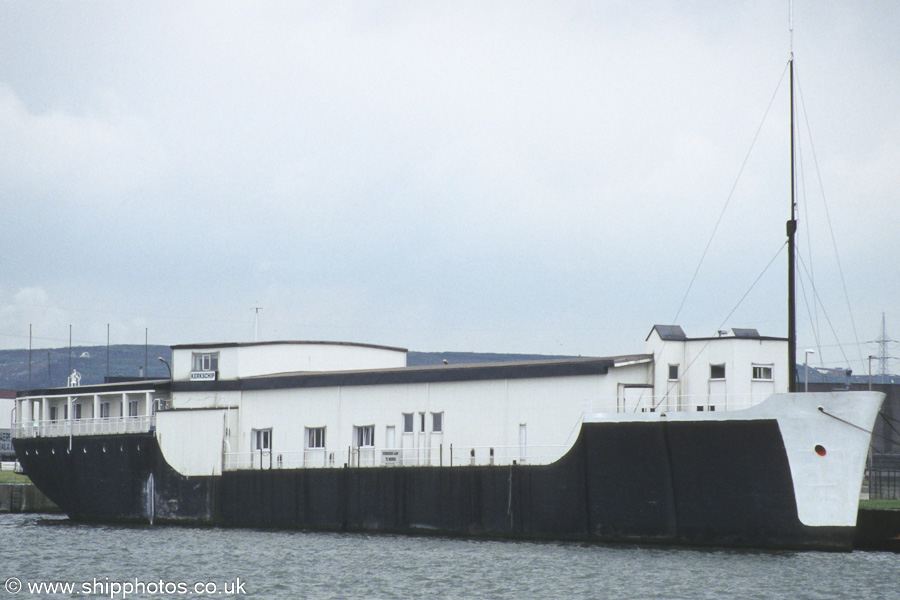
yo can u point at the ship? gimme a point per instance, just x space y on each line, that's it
624 448
697 441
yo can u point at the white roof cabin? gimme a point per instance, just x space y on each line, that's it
732 370
241 360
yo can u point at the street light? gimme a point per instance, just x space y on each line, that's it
806 354
870 371
165 362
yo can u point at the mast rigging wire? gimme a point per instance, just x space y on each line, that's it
722 324
815 328
730 195
828 218
816 298
814 313
887 421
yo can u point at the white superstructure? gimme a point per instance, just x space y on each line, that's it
326 404
360 405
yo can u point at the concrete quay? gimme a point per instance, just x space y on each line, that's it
24 498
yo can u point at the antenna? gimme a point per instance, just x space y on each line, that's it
256 324
792 25
883 357
29 356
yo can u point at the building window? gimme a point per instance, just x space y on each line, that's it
205 361
364 436
262 439
132 408
437 422
315 437
717 371
422 422
673 372
408 422
77 411
762 372
104 410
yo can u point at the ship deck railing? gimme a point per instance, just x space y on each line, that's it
445 456
673 402
99 426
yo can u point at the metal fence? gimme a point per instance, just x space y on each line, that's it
884 477
447 456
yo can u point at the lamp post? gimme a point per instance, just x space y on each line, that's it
870 371
165 362
806 354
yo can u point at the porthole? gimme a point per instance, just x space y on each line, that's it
820 450
52 450
104 448
84 450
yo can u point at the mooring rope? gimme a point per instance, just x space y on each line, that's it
887 421
825 412
872 433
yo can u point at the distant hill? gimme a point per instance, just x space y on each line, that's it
50 367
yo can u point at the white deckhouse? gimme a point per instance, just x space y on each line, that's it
325 404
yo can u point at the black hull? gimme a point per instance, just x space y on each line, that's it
693 483
93 477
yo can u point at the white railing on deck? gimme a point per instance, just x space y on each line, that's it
397 457
106 426
692 403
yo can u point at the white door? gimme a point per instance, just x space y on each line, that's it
635 399
718 393
389 439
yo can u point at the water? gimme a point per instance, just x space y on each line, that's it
299 565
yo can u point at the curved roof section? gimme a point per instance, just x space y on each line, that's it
429 374
283 342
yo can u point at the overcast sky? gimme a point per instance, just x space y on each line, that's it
473 176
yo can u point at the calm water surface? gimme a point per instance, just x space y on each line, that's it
299 565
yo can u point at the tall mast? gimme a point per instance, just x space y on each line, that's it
791 231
